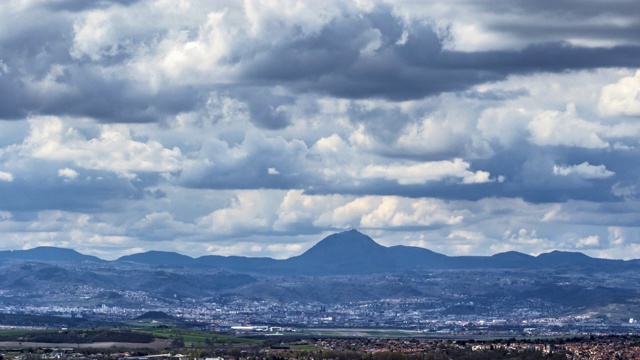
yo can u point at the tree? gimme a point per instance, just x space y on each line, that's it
177 342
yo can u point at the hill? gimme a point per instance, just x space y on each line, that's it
47 254
159 258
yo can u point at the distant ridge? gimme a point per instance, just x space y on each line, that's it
47 253
348 252
352 252
159 258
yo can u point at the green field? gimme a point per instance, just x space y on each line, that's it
190 338
19 332
78 336
198 338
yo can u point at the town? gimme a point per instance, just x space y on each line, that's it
416 317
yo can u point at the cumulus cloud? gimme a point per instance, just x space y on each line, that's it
584 170
621 98
428 171
248 211
68 173
566 129
152 60
5 176
211 127
589 241
113 149
252 211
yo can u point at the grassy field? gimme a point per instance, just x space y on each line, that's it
19 332
83 336
198 338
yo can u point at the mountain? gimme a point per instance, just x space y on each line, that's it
47 254
564 257
164 258
346 253
573 259
416 257
349 252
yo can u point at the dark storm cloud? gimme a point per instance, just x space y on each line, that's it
363 56
60 87
541 21
12 102
383 124
115 99
429 72
81 92
43 78
266 108
528 171
351 56
570 9
82 5
332 61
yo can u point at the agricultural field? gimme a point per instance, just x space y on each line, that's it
152 337
197 338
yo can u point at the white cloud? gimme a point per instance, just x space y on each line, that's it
616 235
4 68
249 211
95 36
280 211
394 211
5 176
300 211
427 171
432 135
590 241
505 124
68 173
621 98
113 149
566 129
584 170
389 212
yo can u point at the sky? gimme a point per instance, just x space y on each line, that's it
258 127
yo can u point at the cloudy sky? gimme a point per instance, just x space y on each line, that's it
258 127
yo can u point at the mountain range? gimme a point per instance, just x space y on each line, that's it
345 253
